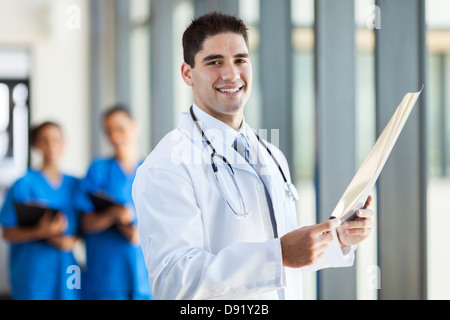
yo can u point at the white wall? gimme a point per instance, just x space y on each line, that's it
59 67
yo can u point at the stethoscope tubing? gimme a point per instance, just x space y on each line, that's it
215 168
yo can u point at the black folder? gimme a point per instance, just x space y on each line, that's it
101 202
28 215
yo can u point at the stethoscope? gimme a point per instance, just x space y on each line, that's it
291 192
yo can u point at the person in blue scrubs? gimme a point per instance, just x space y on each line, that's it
115 267
41 257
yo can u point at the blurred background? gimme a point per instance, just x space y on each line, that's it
327 77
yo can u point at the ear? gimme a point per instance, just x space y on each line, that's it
186 73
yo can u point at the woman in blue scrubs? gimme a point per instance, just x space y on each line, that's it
40 255
115 267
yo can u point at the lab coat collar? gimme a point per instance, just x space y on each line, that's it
222 138
214 128
219 134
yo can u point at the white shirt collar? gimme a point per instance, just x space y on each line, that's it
214 127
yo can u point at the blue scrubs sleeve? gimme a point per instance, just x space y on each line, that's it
8 217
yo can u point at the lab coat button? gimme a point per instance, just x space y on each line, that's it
259 186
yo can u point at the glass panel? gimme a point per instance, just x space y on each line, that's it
140 70
139 11
303 125
183 14
249 13
438 135
365 19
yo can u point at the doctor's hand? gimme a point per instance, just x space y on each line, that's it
307 245
353 232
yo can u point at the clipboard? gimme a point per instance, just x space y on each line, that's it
358 190
28 215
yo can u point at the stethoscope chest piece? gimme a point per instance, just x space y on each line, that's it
291 191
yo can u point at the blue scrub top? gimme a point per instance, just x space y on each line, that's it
115 268
38 270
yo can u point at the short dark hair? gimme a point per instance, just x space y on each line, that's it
117 108
206 26
36 130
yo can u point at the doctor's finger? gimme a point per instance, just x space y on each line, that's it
326 226
323 239
359 231
319 256
324 247
358 224
365 214
368 202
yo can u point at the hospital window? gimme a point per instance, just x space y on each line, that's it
438 143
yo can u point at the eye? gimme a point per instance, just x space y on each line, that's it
213 63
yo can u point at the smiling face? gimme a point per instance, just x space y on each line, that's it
221 80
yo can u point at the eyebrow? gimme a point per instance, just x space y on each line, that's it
219 56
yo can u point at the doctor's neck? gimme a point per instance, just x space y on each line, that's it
236 123
232 119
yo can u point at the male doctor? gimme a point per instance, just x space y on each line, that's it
215 204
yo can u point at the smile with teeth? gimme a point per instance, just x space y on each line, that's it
229 90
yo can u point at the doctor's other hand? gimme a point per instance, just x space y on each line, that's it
307 245
353 232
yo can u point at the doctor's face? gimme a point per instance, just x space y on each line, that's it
221 80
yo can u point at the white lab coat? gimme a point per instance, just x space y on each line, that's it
194 246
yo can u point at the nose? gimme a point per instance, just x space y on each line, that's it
230 72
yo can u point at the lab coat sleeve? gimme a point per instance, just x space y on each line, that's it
335 256
171 233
